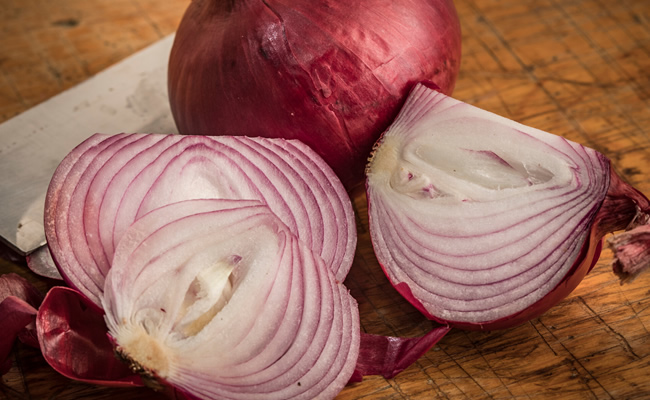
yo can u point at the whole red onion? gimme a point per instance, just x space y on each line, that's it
331 73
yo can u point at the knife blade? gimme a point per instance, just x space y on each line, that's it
130 96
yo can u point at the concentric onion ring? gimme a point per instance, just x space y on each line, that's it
220 299
108 182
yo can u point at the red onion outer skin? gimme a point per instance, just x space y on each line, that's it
631 249
16 314
15 285
19 300
332 74
388 355
74 341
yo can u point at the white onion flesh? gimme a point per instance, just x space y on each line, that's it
281 326
108 182
480 216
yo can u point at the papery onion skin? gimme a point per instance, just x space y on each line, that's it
15 314
19 301
607 205
12 284
41 263
631 248
631 253
332 74
389 355
72 334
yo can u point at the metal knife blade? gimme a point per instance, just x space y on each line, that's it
130 96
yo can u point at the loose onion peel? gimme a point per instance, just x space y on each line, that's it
19 301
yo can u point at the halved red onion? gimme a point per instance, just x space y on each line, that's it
482 222
16 314
221 300
108 182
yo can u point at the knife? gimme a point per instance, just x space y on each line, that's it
130 96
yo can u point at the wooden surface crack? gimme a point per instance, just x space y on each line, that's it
621 339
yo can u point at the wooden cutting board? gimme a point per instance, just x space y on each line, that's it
577 68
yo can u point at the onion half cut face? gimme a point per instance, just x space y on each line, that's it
477 219
221 300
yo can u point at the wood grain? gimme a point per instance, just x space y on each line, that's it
577 68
